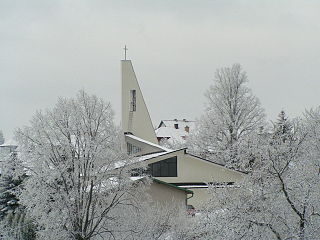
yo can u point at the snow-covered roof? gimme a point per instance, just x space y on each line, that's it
181 123
175 130
153 155
140 159
147 142
170 132
145 157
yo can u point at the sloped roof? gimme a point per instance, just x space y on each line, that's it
172 185
141 178
145 157
158 154
154 155
166 132
147 142
181 123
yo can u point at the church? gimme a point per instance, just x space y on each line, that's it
174 167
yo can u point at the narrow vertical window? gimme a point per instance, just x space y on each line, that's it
133 102
132 149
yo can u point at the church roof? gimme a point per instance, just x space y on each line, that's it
140 178
159 154
147 142
145 157
154 155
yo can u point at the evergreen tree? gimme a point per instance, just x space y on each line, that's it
9 201
283 128
13 220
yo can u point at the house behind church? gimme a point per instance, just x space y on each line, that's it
175 131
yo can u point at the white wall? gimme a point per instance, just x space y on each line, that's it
138 122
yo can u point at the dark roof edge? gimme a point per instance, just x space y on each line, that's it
165 153
171 185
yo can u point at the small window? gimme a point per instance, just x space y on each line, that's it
133 101
176 126
132 149
164 168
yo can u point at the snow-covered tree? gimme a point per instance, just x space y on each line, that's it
17 226
157 221
173 143
232 114
14 223
12 176
279 198
71 152
283 127
9 190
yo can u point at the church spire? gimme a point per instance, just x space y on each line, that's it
135 115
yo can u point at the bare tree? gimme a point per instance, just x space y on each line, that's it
233 113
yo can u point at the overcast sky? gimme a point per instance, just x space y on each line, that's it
55 48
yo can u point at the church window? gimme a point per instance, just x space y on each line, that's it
164 168
133 101
132 149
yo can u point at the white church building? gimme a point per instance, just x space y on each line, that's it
176 167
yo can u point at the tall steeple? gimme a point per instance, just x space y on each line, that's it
135 115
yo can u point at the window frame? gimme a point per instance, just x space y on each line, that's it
133 100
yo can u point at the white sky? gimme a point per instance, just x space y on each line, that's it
54 48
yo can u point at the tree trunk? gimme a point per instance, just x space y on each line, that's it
301 229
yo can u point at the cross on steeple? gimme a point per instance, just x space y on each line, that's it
125 52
